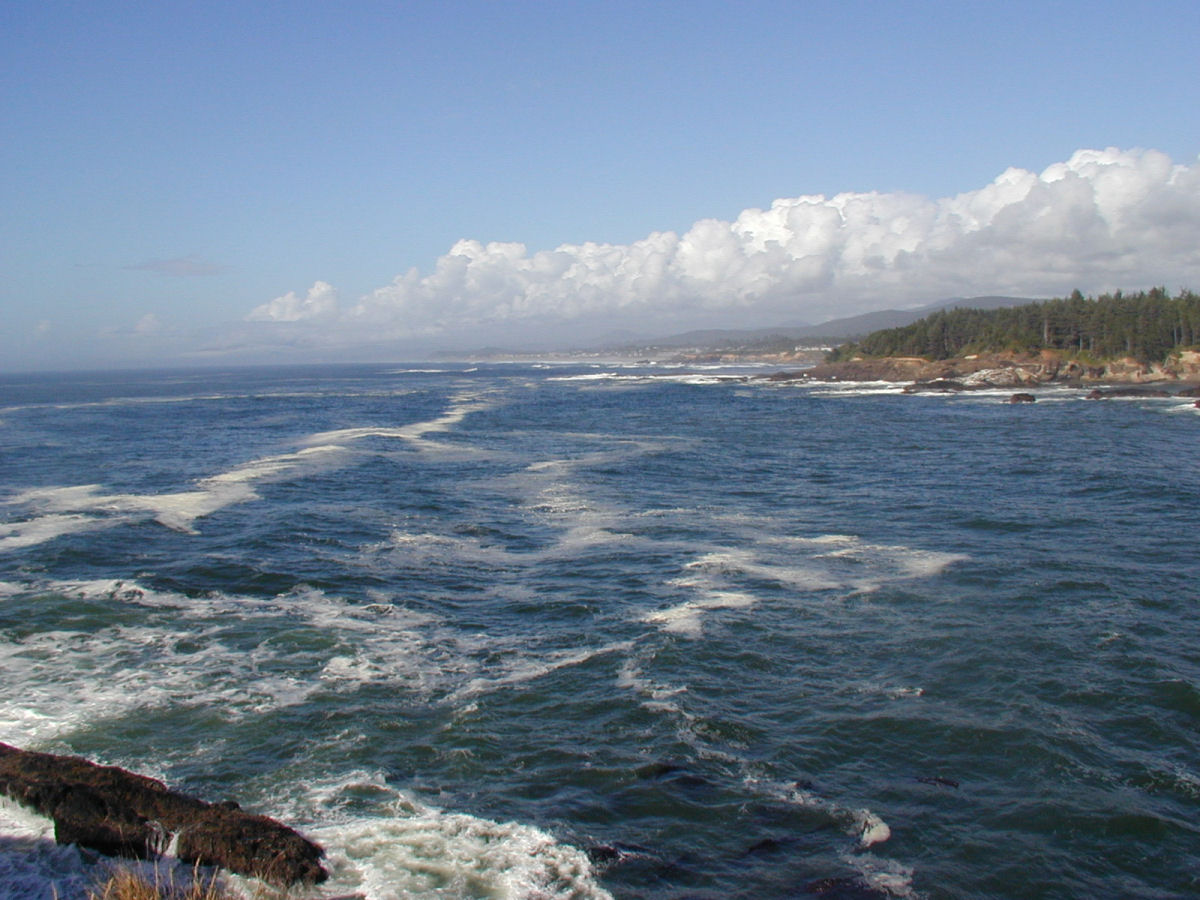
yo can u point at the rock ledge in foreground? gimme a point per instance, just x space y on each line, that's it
115 812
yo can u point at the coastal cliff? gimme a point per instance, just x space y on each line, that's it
1007 369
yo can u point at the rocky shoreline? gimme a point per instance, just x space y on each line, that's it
1124 377
118 813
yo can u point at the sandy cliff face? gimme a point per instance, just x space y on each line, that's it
1011 370
1185 365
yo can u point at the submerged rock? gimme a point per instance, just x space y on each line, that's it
116 812
842 888
1099 394
1022 398
764 847
602 854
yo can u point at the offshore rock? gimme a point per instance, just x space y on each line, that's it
119 813
937 386
1022 398
842 888
1099 394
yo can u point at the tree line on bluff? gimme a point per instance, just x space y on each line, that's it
1147 326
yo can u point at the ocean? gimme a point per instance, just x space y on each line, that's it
592 631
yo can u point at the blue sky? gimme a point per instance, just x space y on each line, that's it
199 182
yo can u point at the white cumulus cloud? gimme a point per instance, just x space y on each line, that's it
1100 220
320 304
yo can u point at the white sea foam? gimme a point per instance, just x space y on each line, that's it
383 844
551 490
423 548
190 652
806 566
892 692
865 566
884 875
309 459
64 507
412 433
657 696
38 530
1185 781
870 828
32 865
591 376
520 669
1188 406
865 827
693 377
177 510
747 563
851 388
181 654
685 618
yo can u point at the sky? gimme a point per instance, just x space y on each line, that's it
212 183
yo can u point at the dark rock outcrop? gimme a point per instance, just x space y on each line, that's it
1012 369
1099 394
1190 392
1022 398
937 386
112 811
842 888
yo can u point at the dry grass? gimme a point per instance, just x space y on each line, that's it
125 884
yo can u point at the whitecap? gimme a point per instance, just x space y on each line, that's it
188 651
383 844
524 668
686 618
804 565
632 677
870 828
31 532
883 875
32 864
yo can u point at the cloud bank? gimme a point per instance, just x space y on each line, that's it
1101 220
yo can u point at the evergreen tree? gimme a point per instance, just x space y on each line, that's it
1148 326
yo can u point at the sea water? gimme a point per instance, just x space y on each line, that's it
518 631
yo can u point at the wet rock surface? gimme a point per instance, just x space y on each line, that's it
1099 394
119 813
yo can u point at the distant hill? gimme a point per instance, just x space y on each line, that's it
858 326
834 330
751 341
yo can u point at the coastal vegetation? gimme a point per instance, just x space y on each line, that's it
1147 326
126 884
